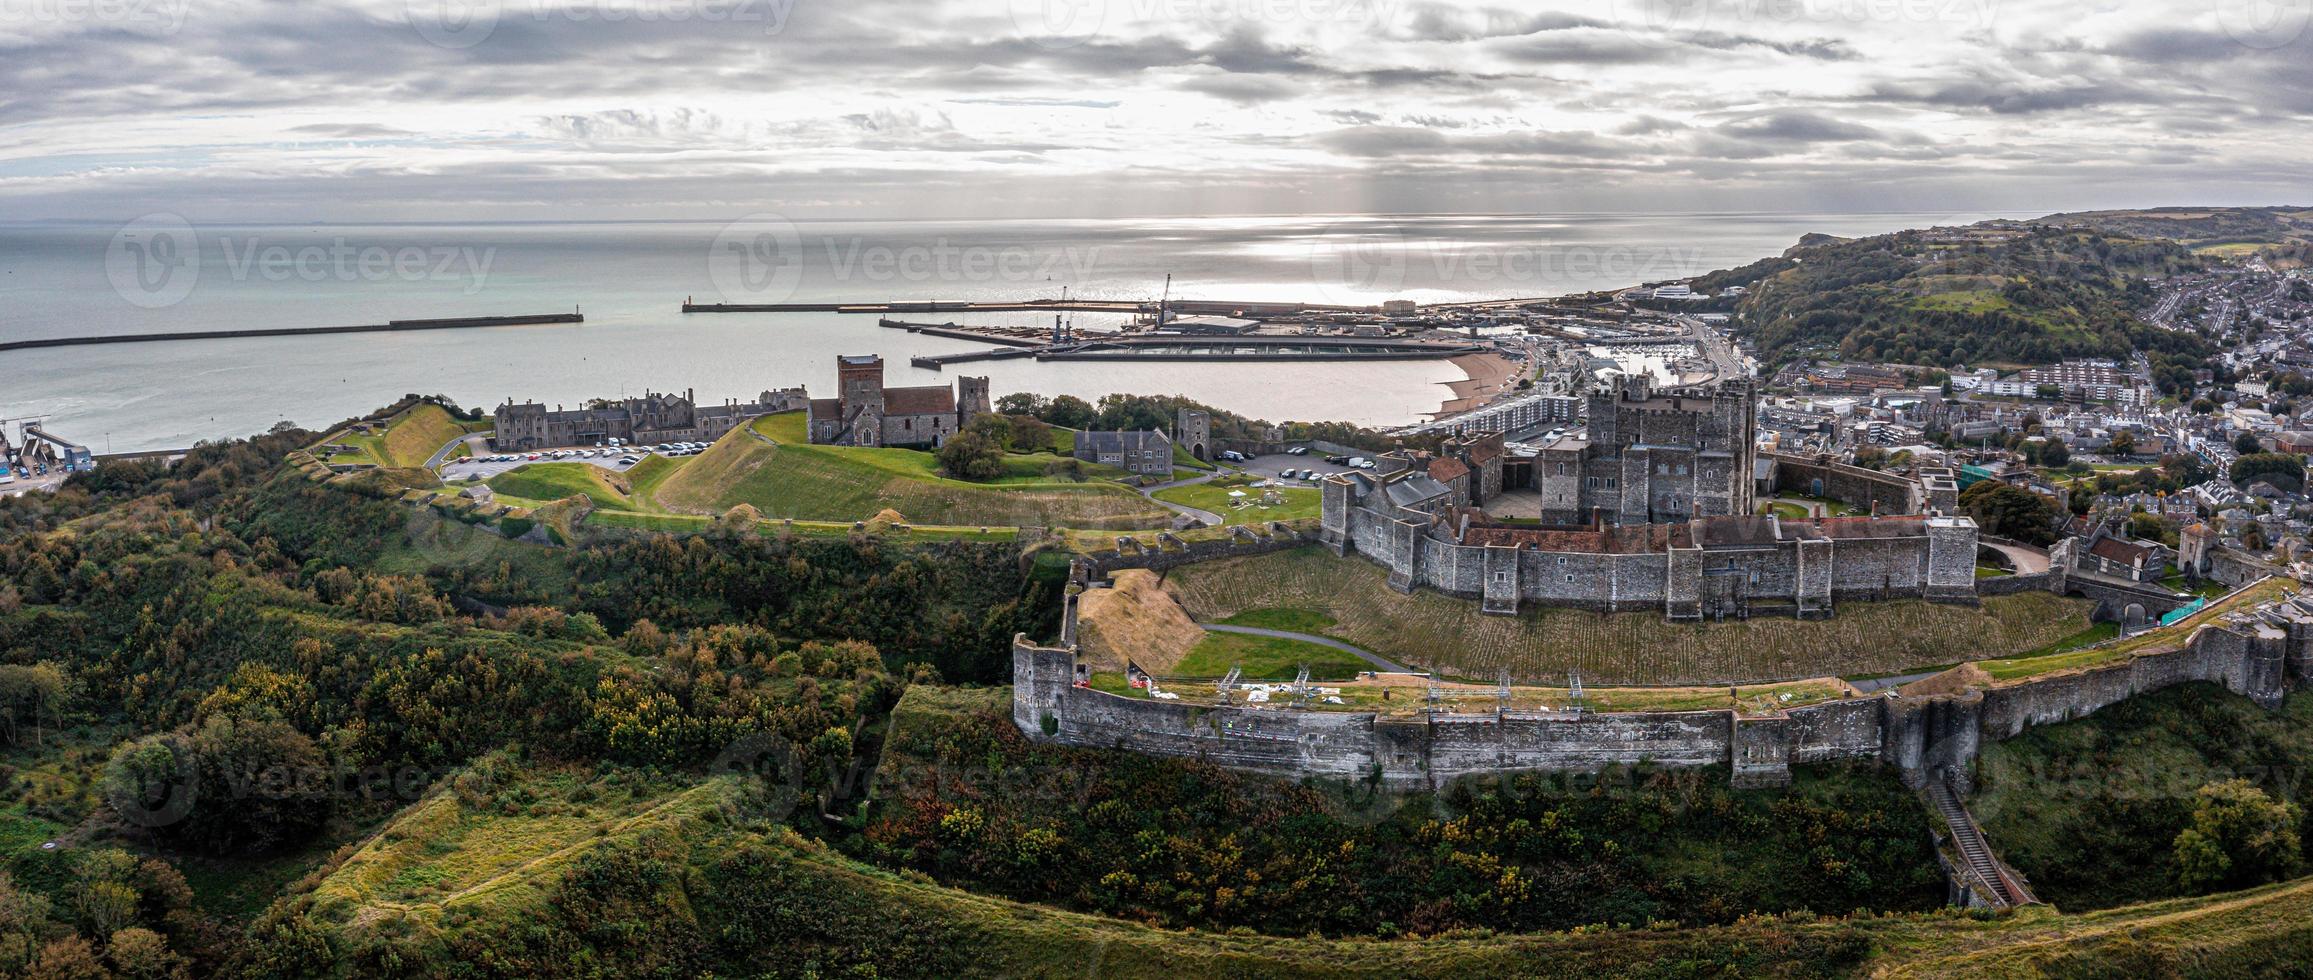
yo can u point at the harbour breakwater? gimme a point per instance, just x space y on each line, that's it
454 323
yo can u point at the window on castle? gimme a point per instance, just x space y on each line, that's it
1570 578
1562 562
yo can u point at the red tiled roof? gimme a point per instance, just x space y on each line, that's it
928 400
1637 539
2120 552
826 410
1447 470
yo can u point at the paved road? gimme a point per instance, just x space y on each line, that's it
2028 561
1379 663
479 442
1205 517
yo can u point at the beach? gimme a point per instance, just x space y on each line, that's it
1489 375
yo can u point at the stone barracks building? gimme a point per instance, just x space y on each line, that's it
655 417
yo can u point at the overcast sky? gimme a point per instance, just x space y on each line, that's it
640 109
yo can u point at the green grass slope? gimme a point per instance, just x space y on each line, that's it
543 482
2090 809
1542 644
835 483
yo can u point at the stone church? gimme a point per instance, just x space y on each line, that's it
865 413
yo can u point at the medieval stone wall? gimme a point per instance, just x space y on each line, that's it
1919 736
1851 485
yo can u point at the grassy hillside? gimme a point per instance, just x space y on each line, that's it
2037 295
2089 809
2199 228
836 483
409 439
542 482
1628 648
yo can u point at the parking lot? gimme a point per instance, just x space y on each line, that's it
489 465
1275 464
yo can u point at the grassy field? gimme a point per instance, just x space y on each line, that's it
409 439
468 850
538 483
1215 497
1627 648
1267 658
834 483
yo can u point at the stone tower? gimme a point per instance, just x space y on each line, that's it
859 388
1194 432
972 400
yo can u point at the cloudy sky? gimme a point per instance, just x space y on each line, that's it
638 109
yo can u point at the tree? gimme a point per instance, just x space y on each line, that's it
232 785
1028 434
32 697
2054 452
1069 412
1021 403
144 955
2239 837
2011 512
2289 468
70 958
2246 444
976 453
2049 392
2123 444
2146 527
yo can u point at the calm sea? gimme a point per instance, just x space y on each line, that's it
162 275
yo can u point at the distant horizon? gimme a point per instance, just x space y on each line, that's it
1213 216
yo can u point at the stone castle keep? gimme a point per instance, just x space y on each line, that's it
1667 484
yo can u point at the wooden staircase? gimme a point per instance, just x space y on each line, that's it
1974 853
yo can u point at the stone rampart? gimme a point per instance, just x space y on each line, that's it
1919 736
1253 542
1854 486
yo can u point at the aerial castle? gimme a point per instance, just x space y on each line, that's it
1650 510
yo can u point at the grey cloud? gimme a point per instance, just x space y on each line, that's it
1797 126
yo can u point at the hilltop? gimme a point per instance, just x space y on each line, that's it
770 466
1947 297
2215 231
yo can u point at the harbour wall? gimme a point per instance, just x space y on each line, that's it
458 323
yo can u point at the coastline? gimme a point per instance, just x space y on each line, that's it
1488 375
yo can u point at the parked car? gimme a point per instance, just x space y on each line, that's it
1338 460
